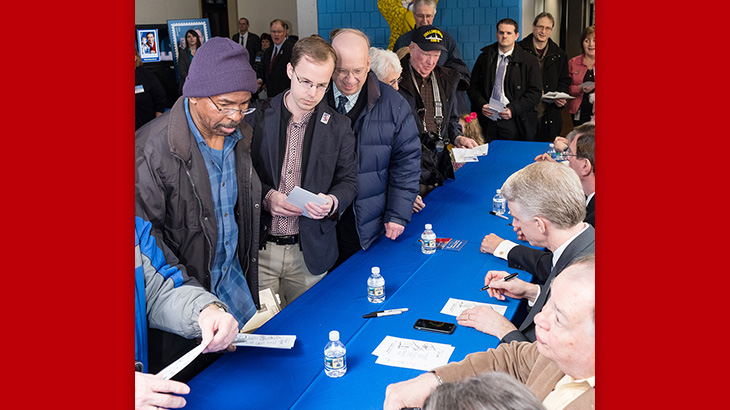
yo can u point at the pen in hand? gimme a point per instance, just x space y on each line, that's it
504 279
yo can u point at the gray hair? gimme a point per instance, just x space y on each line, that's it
382 61
431 3
581 129
549 190
488 391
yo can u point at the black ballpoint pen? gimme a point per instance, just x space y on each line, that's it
505 279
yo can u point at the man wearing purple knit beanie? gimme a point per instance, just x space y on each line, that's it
195 183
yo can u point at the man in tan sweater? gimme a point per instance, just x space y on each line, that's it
559 368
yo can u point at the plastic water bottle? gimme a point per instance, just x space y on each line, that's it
335 362
551 152
428 240
499 204
376 286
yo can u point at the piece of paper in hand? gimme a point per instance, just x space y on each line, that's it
554 95
300 197
454 307
497 106
271 341
179 364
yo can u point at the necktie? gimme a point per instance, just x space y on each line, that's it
497 90
273 57
342 100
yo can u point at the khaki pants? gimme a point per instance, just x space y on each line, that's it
282 268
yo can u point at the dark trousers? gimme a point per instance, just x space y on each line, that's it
503 130
348 242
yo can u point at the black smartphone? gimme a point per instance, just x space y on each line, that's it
435 326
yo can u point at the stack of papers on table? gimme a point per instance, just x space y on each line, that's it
412 354
270 341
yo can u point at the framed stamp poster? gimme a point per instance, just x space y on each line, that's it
148 44
184 31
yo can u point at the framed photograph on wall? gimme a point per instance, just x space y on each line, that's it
148 45
183 31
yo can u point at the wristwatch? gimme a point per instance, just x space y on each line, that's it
219 305
138 366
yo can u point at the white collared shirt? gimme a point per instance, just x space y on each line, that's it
243 39
588 200
351 99
503 97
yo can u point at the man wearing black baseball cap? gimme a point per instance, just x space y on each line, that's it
430 90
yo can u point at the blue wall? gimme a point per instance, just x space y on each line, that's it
473 23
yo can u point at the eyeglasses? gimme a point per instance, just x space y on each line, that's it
309 85
567 153
230 111
546 28
394 81
357 72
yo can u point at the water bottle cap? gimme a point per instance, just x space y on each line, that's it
499 191
552 145
375 269
334 335
428 226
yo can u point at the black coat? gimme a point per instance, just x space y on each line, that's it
522 86
275 77
555 77
448 80
253 45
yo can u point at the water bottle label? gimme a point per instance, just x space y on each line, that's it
431 243
376 291
334 363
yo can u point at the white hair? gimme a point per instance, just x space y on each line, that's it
382 61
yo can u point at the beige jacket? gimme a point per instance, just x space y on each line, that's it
522 361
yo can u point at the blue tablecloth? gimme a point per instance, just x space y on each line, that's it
259 378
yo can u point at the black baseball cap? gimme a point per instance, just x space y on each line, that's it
429 38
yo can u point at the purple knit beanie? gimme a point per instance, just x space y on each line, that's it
219 67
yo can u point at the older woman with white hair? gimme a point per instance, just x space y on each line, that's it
386 66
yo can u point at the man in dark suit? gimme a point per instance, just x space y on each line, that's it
547 205
299 140
508 74
249 40
273 73
554 68
582 159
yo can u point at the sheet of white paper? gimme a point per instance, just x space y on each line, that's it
270 306
496 106
554 95
412 354
179 364
469 154
454 307
588 84
271 341
463 155
300 197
